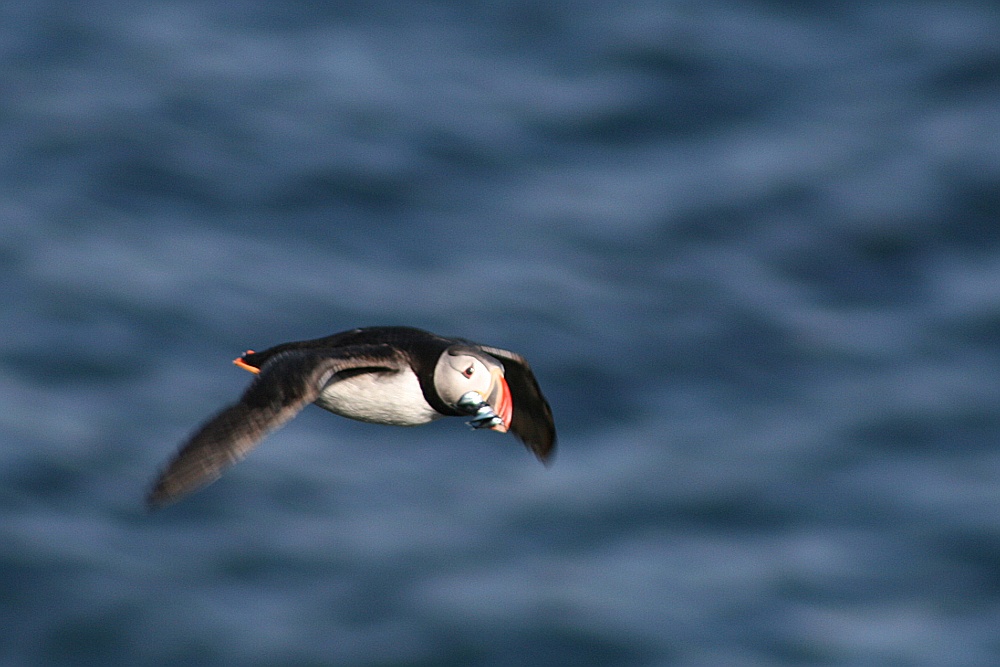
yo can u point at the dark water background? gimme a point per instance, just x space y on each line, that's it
752 250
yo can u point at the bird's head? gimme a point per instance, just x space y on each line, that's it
472 382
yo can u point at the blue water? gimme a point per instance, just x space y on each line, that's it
752 251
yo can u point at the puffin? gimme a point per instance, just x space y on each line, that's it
385 375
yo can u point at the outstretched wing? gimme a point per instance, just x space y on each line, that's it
286 384
532 421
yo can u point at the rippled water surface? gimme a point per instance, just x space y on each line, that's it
752 251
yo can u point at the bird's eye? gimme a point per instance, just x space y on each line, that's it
469 371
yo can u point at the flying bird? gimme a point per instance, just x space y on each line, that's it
384 375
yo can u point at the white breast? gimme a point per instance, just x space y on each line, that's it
382 398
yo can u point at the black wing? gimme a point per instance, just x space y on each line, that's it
532 420
286 384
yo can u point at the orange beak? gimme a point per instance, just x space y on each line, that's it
244 365
501 401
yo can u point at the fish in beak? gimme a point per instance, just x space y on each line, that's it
494 411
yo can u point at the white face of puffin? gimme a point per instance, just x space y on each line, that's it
472 382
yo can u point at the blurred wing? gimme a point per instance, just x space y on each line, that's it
285 385
532 422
